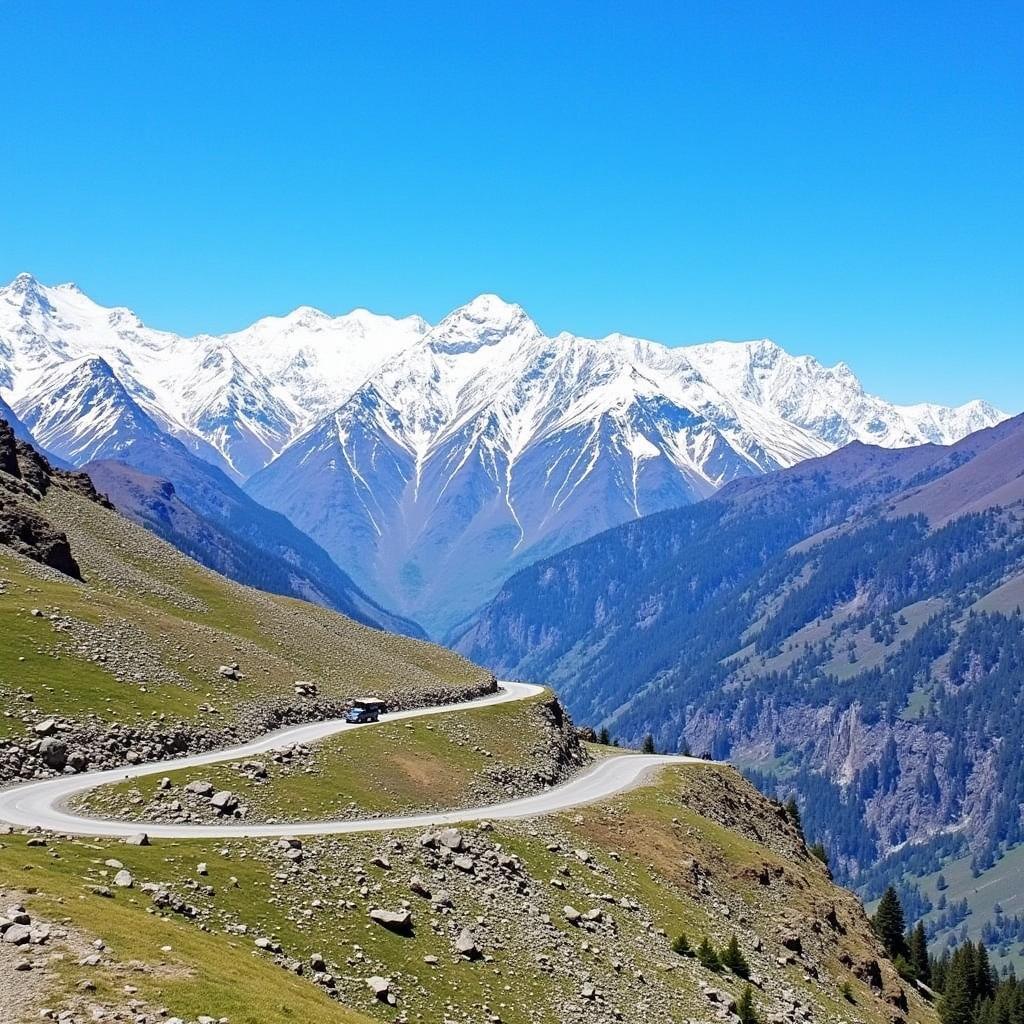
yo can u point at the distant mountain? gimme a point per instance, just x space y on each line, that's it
211 519
236 401
487 445
431 462
82 411
850 627
18 429
222 542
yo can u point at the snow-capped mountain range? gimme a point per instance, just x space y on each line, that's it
431 462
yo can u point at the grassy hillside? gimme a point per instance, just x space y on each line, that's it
134 648
447 761
698 852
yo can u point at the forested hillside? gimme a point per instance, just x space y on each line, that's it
849 630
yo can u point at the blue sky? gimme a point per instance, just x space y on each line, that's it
844 178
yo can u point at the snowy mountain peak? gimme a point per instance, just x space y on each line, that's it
23 283
484 321
28 295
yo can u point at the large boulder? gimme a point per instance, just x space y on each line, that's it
53 753
224 802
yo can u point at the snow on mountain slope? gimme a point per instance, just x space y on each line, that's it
316 361
830 401
235 409
432 462
487 445
235 401
80 411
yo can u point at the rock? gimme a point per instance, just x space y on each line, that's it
465 945
792 941
53 752
317 962
381 861
419 887
123 879
571 914
200 788
45 727
379 986
139 839
17 935
399 921
229 672
451 838
224 802
466 864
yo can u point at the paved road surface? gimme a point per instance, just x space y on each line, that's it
44 803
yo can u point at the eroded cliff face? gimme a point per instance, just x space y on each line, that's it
914 797
25 476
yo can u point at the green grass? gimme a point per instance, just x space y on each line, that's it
1006 598
203 973
182 621
394 767
652 831
1003 883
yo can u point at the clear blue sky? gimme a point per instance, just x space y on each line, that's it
847 178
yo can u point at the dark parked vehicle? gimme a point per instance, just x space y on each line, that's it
365 709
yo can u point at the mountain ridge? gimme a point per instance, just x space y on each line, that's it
450 455
848 628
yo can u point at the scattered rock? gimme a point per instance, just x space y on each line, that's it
399 921
465 945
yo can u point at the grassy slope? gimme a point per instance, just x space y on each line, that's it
1003 883
166 625
643 846
396 767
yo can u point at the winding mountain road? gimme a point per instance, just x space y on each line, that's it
43 804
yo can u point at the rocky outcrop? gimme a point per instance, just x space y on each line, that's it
25 476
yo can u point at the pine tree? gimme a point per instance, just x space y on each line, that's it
984 978
708 957
919 962
733 958
957 1005
793 813
889 924
745 1007
603 736
818 850
648 745
681 945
